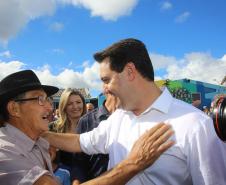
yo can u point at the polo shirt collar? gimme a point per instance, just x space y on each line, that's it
163 102
23 141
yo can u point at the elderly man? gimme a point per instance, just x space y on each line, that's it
24 159
25 107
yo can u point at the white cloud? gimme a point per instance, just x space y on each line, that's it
89 78
161 61
70 63
10 67
166 5
195 66
224 58
198 66
183 17
14 15
107 9
6 54
85 64
56 26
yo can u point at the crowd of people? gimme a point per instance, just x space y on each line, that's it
140 135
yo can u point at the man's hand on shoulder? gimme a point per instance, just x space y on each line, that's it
147 149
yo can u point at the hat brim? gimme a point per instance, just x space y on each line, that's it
50 90
4 98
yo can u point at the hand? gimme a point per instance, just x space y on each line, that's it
151 145
75 182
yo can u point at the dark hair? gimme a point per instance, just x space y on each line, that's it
4 114
1 120
125 51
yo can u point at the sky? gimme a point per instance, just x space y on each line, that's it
57 38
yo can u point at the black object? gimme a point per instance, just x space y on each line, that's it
219 118
20 82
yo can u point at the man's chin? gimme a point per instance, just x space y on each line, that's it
45 127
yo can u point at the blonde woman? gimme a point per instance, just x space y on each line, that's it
71 108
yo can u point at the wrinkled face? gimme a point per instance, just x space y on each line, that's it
33 117
74 107
113 83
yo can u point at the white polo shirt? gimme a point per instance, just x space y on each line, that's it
197 158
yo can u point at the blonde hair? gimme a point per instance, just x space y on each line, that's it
63 122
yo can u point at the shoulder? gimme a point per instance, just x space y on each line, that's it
7 142
19 169
89 115
88 121
15 161
181 108
188 121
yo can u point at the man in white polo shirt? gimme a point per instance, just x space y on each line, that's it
197 158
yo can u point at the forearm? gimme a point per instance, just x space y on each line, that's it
46 180
64 141
119 175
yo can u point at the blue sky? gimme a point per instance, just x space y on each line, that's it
57 38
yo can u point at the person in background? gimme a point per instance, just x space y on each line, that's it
62 174
95 165
196 103
56 114
206 110
71 108
89 107
197 158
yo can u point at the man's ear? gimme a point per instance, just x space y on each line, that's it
131 71
13 108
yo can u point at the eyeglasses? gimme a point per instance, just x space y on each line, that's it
41 100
